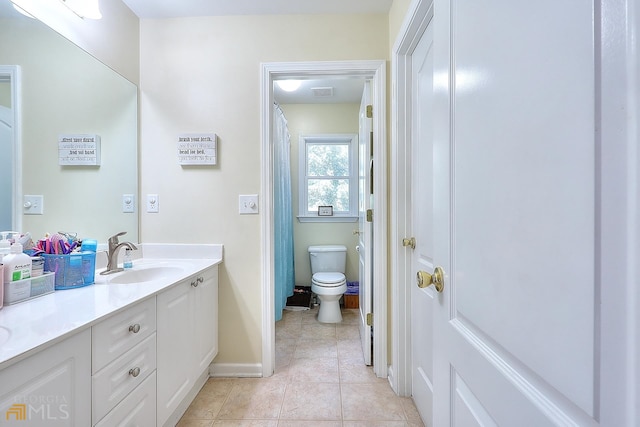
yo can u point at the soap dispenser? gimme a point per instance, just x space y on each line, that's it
17 265
127 262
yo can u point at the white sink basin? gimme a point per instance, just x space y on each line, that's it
145 274
4 335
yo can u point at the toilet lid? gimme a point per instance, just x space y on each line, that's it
328 278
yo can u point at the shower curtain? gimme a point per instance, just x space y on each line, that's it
282 212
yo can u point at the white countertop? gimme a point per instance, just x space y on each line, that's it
38 323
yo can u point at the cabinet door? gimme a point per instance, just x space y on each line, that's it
51 388
206 319
175 347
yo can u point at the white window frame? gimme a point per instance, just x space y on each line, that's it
304 215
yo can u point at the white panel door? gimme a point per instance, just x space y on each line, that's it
365 234
422 299
515 214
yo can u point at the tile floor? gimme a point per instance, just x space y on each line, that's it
320 380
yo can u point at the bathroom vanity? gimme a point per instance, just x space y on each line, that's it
135 346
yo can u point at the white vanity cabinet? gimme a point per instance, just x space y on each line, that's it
187 316
51 388
123 367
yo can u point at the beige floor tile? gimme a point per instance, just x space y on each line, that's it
317 370
350 316
310 316
253 399
194 423
320 380
349 349
376 402
374 424
311 349
288 331
312 401
411 412
347 332
300 423
246 423
355 371
209 400
313 331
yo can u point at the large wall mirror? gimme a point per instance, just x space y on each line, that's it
64 90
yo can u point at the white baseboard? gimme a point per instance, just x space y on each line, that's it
392 379
235 370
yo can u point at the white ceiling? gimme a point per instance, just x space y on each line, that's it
183 8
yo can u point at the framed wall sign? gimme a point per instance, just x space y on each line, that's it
325 210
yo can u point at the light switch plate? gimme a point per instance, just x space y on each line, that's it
153 203
248 204
128 203
33 204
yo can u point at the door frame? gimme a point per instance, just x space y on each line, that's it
617 89
414 26
376 71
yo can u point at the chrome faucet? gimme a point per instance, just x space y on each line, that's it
112 253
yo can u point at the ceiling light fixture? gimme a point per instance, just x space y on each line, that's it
289 85
84 8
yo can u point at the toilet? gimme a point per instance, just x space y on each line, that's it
328 282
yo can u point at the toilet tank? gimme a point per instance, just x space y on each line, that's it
326 258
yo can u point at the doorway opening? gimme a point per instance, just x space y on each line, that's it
369 70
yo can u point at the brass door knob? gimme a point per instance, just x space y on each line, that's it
409 242
436 279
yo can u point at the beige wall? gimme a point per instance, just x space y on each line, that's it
306 119
203 75
397 15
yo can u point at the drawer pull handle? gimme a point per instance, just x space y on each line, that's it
134 328
194 283
134 372
200 279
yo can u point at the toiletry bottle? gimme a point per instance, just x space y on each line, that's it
127 262
5 246
17 265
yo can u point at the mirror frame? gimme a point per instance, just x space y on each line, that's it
13 72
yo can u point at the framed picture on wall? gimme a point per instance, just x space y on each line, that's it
325 210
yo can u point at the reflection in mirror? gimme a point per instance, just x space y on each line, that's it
67 91
10 147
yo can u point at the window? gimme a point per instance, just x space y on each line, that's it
328 177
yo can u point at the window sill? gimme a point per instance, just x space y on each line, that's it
335 218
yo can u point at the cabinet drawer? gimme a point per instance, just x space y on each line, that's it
137 409
119 378
120 332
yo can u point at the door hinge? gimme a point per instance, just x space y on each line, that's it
369 319
369 215
369 111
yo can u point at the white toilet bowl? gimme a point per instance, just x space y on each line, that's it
329 286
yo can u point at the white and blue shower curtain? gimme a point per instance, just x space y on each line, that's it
282 212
